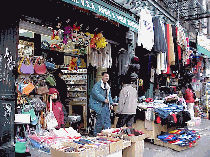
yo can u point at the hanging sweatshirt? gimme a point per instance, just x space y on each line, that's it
145 32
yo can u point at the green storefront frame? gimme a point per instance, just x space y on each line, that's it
202 50
106 10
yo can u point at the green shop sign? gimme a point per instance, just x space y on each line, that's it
106 10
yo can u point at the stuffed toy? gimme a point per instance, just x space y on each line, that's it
73 64
88 37
93 41
55 32
55 47
82 63
74 34
67 34
55 35
101 43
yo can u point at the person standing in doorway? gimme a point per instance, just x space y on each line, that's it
100 101
127 103
62 89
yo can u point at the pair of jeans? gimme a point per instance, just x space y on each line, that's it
190 107
162 112
103 120
127 119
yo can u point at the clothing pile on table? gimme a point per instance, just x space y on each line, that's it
173 115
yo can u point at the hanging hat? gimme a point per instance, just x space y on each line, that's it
53 90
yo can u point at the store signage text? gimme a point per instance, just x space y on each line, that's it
113 15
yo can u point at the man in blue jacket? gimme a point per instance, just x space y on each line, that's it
100 101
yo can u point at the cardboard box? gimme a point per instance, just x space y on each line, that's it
114 146
134 138
126 143
86 153
135 150
100 151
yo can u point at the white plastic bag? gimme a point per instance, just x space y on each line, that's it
50 119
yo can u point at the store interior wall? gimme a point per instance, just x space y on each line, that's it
48 13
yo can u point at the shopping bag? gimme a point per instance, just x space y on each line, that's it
50 119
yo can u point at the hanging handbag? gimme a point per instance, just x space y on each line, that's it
50 119
40 69
25 69
51 80
42 90
28 88
29 110
50 65
37 104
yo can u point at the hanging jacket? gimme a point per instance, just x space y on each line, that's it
159 37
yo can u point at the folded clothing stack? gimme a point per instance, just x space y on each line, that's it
180 137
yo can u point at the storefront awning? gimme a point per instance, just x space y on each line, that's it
106 10
202 50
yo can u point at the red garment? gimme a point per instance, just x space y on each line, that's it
168 43
189 96
179 49
58 112
158 120
174 116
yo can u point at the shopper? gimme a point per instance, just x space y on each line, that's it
56 107
189 98
100 101
60 85
127 103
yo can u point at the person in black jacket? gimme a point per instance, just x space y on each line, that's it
62 89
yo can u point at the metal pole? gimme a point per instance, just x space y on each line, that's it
161 9
178 8
207 105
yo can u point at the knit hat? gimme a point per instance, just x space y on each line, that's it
53 90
